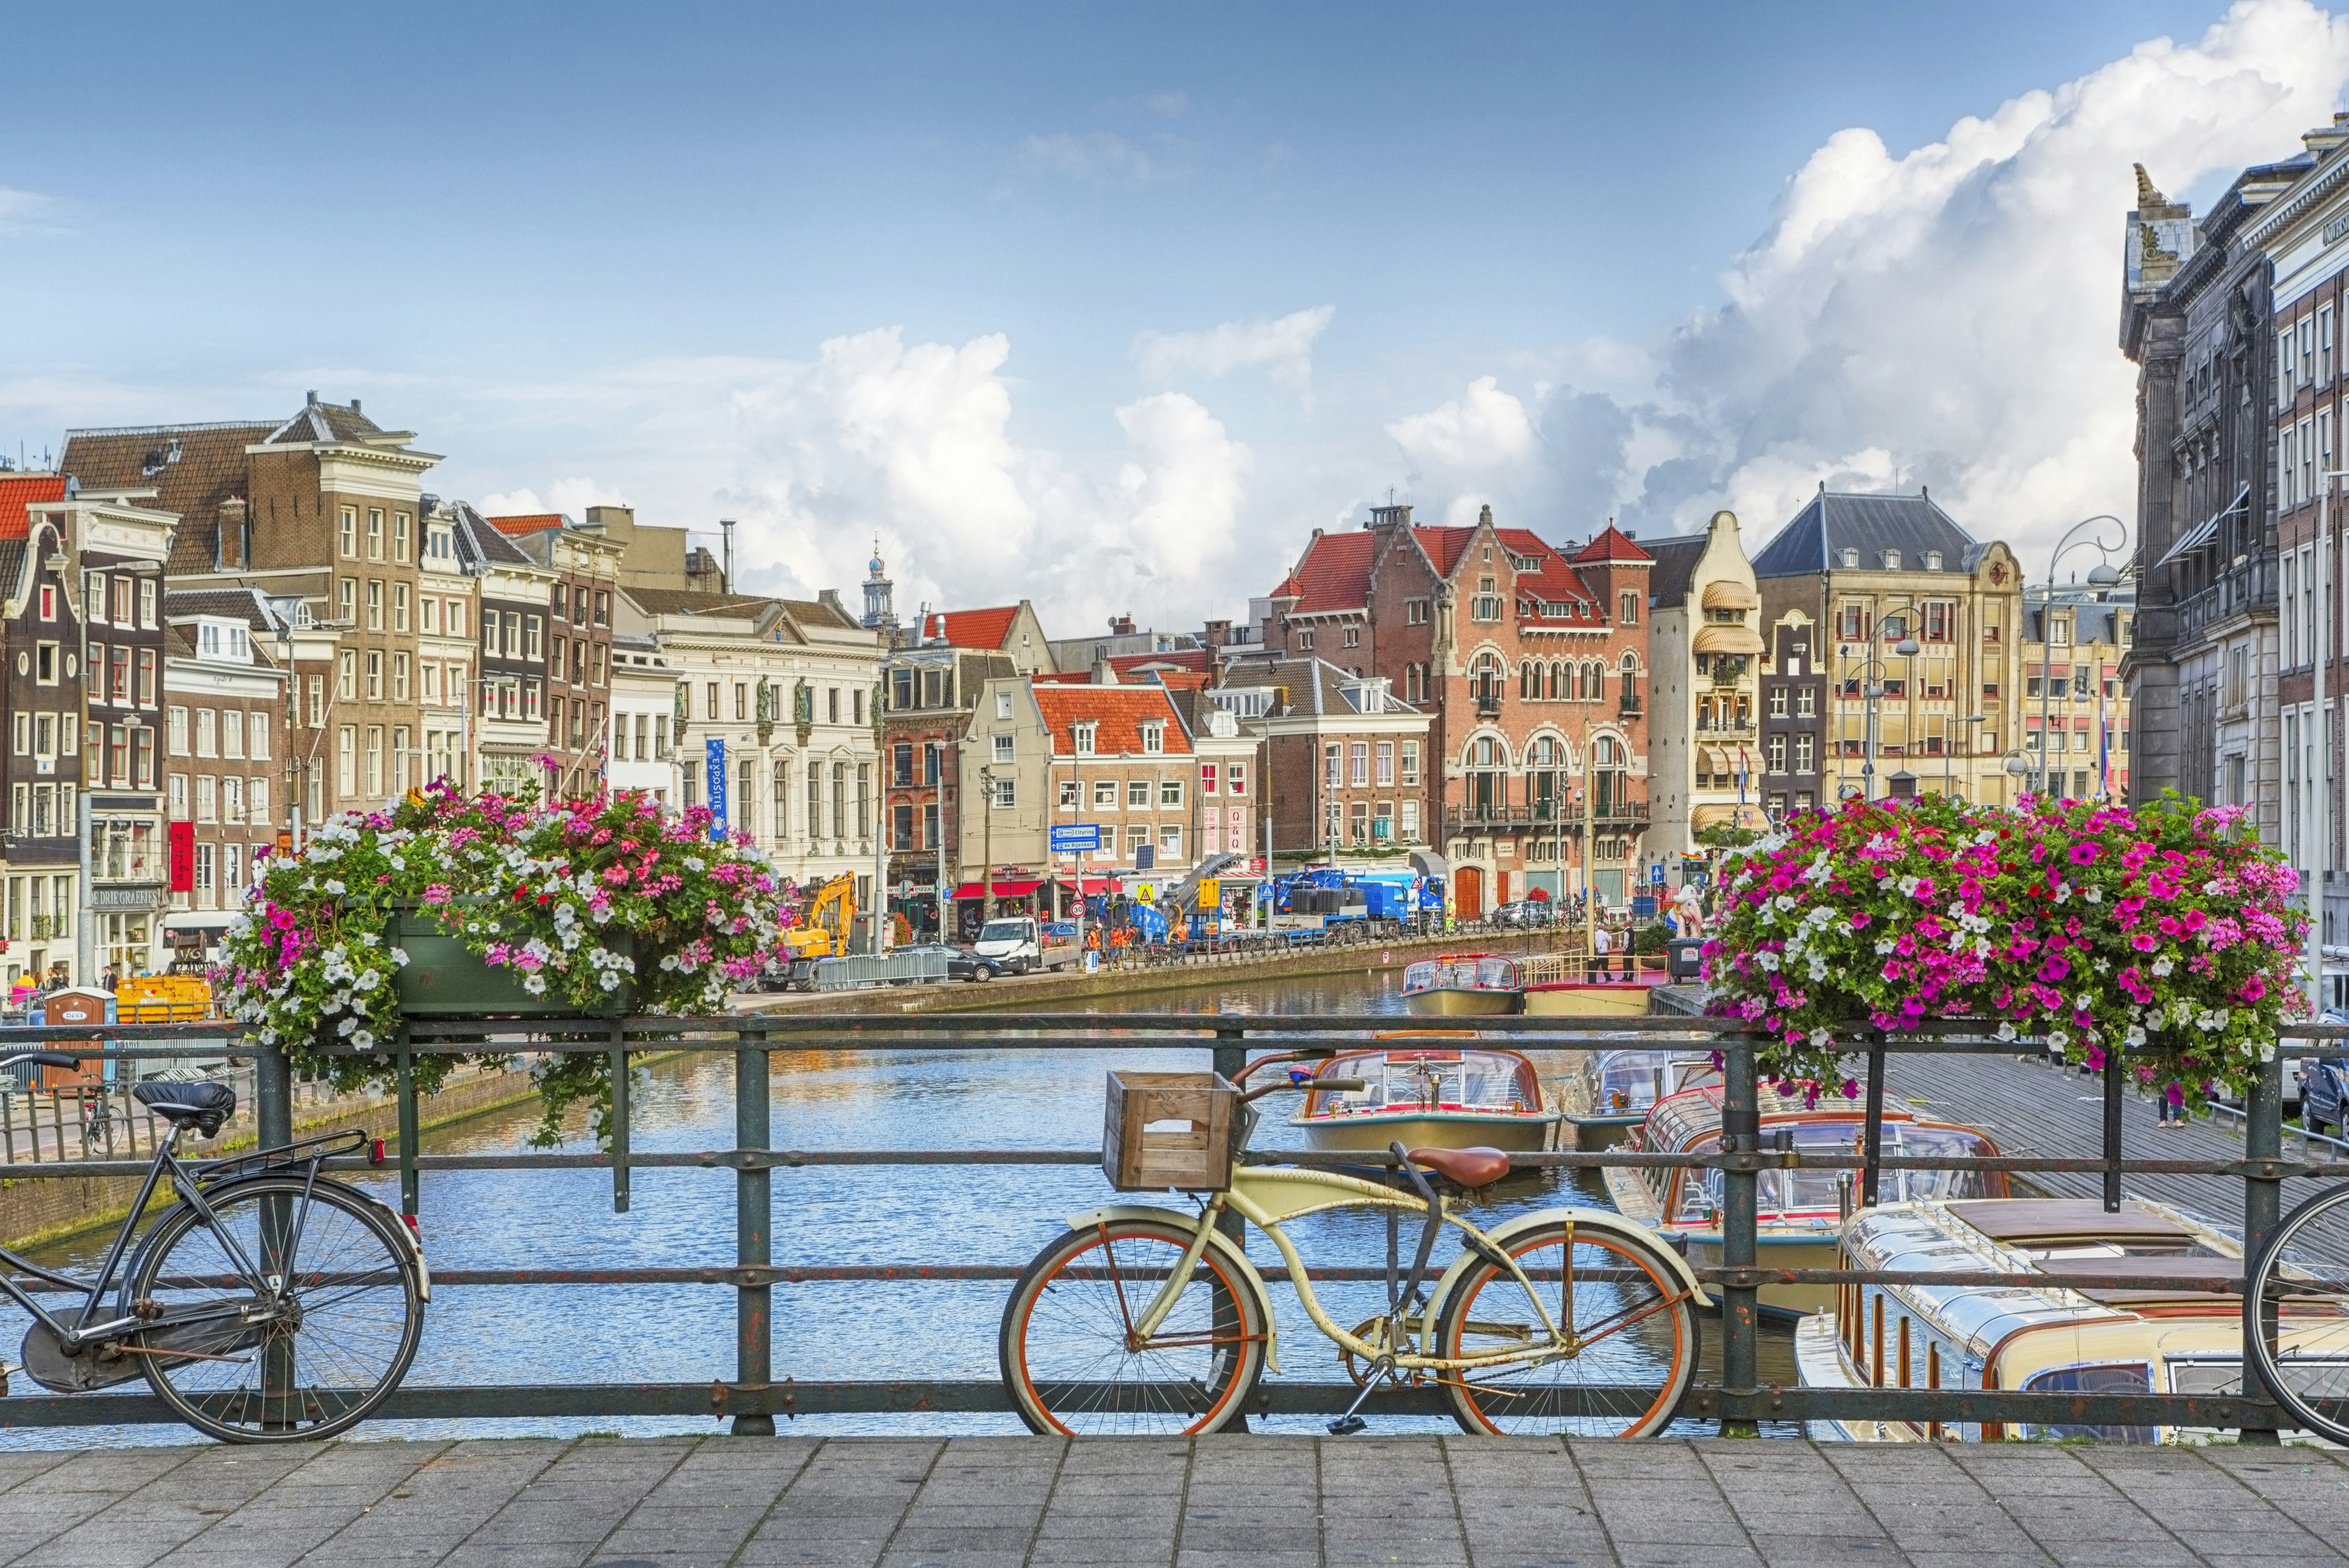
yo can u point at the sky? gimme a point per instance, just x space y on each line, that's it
1111 306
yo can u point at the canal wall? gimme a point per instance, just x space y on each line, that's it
1011 993
38 1210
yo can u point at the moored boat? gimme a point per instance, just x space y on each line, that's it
1799 1213
1462 986
1569 986
2158 1338
1427 1097
1608 1099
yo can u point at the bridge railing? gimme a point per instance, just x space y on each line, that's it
753 1395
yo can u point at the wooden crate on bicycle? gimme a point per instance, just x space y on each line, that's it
1163 1130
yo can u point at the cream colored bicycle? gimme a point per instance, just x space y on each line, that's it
1148 1321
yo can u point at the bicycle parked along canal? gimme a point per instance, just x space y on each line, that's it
1146 1320
270 1304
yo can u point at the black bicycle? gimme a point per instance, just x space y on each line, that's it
270 1304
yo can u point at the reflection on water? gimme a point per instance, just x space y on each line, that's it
856 1214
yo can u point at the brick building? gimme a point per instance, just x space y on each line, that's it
322 507
223 749
931 686
1533 668
513 602
586 562
1345 767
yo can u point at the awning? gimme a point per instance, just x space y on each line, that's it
1020 888
1705 817
2203 532
1094 886
199 919
1728 640
1728 596
1428 863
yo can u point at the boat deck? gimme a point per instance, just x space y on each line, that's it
1274 1502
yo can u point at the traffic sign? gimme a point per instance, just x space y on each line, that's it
1076 840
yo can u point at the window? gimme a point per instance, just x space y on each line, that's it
147 677
257 735
349 534
456 617
1153 738
1386 762
1333 766
147 600
1304 640
175 797
1414 612
175 728
1777 753
1353 637
207 797
1359 759
1170 844
1003 705
1207 779
93 597
1006 748
121 668
815 800
1410 764
832 705
399 677
231 734
1851 621
1005 794
1486 604
375 759
347 600
535 627
1137 794
207 729
375 533
375 675
1105 794
1940 614
48 601
2325 346
741 701
1170 793
399 536
45 664
400 606
1068 794
1806 702
856 706
1777 702
900 766
1803 762
2059 631
429 613
233 801
317 711
603 666
257 801
603 607
1084 737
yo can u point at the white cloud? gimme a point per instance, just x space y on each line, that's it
1100 158
20 208
1281 346
1483 428
1167 105
571 497
1947 316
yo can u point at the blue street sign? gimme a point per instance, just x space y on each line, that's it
717 775
1076 840
1656 873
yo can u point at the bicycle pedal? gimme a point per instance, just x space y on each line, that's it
1347 1426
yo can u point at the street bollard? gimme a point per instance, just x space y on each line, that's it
2262 1205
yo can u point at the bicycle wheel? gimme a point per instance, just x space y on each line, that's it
316 1365
1070 1364
2299 1284
1629 1346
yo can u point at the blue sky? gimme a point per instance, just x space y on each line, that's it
957 276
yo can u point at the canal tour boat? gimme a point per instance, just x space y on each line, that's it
1463 985
1799 1213
1562 985
1610 1096
2050 1340
1427 1097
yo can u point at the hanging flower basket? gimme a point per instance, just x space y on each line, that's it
493 906
2163 932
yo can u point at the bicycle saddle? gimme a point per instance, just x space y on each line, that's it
202 1106
1466 1167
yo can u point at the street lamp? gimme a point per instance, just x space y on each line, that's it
1969 718
2104 574
1873 690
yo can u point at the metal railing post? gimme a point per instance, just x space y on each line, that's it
619 1068
1873 1133
1230 1057
753 1231
1741 1124
2262 1205
272 1107
404 1089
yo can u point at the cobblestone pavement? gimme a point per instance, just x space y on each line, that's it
1000 1502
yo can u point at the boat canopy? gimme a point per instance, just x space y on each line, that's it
1429 1080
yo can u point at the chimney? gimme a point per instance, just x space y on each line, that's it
1123 625
312 396
234 550
354 405
1104 672
1218 637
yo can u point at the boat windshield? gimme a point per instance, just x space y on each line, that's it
1429 1080
1782 1193
1634 1080
1478 974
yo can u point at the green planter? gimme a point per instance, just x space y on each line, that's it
443 978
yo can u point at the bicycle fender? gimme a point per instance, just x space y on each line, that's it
1221 1244
1583 1220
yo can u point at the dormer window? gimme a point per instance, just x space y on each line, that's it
1084 739
1892 561
1153 738
1850 558
1932 561
225 641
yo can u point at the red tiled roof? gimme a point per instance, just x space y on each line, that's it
971 628
1289 587
530 522
1117 713
1335 574
1442 546
30 490
1611 544
1181 659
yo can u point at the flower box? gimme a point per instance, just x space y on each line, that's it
443 978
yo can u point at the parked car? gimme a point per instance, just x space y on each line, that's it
2323 1083
961 963
1526 914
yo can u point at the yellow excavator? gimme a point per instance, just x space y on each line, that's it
826 924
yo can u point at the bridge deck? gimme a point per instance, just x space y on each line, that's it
993 1503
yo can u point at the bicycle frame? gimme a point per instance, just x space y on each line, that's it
1266 1195
185 1186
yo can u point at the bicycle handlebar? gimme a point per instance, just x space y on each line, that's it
1305 1085
43 1058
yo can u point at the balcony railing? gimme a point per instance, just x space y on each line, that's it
1630 708
1567 819
2246 586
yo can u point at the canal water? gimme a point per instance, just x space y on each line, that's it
863 1215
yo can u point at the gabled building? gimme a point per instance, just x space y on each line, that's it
1705 726
43 615
584 562
513 598
225 679
931 682
1345 767
1533 666
1868 571
1011 630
